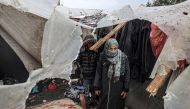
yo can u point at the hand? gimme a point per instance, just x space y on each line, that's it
124 94
97 92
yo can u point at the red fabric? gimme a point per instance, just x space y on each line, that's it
70 106
181 64
52 86
157 40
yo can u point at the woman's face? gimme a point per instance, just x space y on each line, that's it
113 49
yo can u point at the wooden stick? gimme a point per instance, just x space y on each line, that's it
163 73
110 34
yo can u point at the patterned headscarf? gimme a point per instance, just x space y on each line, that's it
109 43
113 57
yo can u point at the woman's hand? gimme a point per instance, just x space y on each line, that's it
97 92
124 95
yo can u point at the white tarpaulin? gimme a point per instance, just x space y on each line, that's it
59 34
26 24
118 16
174 20
61 44
74 12
25 28
178 93
43 8
29 62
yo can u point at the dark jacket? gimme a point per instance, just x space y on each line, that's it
102 72
111 88
88 62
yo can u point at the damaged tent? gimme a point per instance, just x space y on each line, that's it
174 21
17 73
25 31
47 41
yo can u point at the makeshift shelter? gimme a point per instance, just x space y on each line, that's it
46 46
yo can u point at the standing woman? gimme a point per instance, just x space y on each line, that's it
112 77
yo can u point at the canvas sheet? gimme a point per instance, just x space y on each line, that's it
61 44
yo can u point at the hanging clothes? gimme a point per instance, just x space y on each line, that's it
134 41
157 39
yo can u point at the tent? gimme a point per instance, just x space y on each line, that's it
45 34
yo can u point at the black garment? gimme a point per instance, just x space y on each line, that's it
134 41
88 62
90 96
111 88
12 70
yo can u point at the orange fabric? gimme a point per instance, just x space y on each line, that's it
157 40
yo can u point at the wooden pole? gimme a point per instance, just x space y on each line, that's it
163 72
110 34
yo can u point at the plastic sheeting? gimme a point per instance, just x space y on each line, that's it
29 62
88 17
43 8
178 93
61 44
174 20
118 16
25 28
54 51
74 12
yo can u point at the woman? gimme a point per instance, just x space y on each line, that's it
112 77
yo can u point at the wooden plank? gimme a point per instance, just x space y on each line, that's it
110 34
163 72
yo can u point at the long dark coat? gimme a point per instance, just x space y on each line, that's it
111 89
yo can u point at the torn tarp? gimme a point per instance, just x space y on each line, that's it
178 93
43 8
25 28
61 44
118 16
79 13
173 20
29 62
